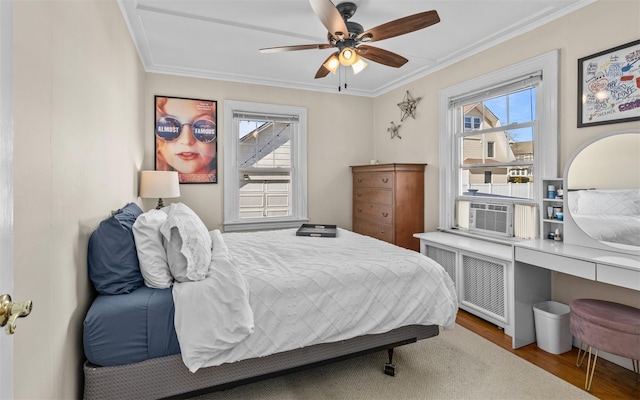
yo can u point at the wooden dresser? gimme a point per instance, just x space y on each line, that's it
388 202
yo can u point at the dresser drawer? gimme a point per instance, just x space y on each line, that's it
566 265
373 179
373 212
378 231
619 276
366 195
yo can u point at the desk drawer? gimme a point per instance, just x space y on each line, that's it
553 262
378 231
619 276
380 213
380 196
374 179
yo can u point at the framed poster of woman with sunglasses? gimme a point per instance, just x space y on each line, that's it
186 138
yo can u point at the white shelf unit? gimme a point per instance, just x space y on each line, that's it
549 225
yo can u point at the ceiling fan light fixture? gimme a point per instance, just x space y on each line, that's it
332 63
347 56
358 66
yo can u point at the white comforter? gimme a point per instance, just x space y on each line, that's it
304 291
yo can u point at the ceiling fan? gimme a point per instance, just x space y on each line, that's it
348 37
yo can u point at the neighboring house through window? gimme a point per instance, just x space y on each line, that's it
265 162
498 139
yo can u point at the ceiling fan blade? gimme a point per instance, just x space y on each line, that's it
322 72
401 26
282 49
381 56
330 17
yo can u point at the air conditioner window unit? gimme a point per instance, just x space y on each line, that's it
494 219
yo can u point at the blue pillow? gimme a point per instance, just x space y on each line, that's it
112 257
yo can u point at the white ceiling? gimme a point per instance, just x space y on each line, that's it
220 39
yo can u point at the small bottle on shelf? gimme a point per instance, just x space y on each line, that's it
556 236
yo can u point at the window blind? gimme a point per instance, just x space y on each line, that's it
265 117
510 86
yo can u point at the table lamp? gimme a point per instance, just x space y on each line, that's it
159 184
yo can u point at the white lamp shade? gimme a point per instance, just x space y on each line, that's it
332 63
159 184
347 56
359 65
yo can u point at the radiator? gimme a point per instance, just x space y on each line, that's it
480 282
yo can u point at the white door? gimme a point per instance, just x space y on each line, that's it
6 187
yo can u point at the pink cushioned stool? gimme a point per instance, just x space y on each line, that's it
607 326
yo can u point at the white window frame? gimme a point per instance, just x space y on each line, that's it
545 144
231 185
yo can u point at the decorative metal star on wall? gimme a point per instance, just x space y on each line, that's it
408 106
393 129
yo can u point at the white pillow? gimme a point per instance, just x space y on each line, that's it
151 253
187 243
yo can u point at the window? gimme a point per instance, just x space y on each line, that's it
471 123
498 139
491 149
265 166
509 118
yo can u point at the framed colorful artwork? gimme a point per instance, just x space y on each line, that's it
609 86
186 138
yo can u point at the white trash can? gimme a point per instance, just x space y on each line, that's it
553 331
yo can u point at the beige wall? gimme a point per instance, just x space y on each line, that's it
338 135
79 142
84 128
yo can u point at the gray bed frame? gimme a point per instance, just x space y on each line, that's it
168 377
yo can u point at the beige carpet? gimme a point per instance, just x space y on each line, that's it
457 364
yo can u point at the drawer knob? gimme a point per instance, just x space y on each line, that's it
385 180
359 209
359 180
384 214
359 194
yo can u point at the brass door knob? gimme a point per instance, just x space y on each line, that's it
10 312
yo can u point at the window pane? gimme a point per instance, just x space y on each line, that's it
498 182
513 108
491 147
521 142
264 195
264 144
264 158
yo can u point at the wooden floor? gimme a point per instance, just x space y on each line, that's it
610 381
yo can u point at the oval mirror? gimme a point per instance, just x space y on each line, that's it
603 190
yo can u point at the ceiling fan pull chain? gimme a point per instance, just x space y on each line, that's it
345 78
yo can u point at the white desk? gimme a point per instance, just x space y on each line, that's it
534 260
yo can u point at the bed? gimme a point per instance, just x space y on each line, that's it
607 215
260 304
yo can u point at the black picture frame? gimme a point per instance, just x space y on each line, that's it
609 86
179 146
